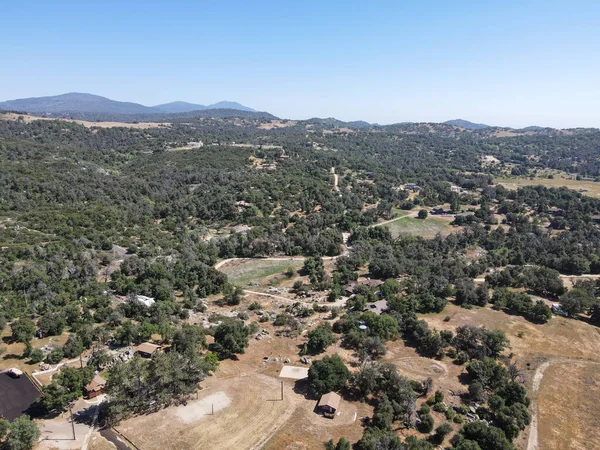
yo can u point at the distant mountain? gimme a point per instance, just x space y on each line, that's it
179 107
466 124
75 102
182 107
230 105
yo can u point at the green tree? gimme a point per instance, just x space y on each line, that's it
320 338
441 432
423 214
4 427
36 356
231 337
328 374
232 295
73 347
576 301
190 338
342 444
24 432
23 330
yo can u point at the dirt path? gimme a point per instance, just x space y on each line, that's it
278 297
335 180
280 258
385 222
532 442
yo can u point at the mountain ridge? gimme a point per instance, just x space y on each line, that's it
77 102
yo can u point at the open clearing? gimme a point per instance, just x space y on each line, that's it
250 413
427 228
243 272
198 410
593 188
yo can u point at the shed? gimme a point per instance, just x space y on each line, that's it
96 387
147 349
329 404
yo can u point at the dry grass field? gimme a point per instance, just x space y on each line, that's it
27 118
253 271
568 411
591 188
426 228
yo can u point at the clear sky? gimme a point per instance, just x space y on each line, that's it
510 63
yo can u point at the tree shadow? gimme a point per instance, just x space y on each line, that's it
85 416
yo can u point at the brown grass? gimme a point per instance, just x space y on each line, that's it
568 411
593 188
27 118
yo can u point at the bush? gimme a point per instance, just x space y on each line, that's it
426 424
36 356
55 356
441 432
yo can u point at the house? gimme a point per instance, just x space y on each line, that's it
96 387
329 404
147 349
412 187
371 284
455 189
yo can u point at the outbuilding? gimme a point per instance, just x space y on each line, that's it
147 349
329 404
96 387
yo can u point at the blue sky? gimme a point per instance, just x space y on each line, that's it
512 63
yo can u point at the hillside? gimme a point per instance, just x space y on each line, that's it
466 124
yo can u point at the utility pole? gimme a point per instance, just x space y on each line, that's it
72 422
